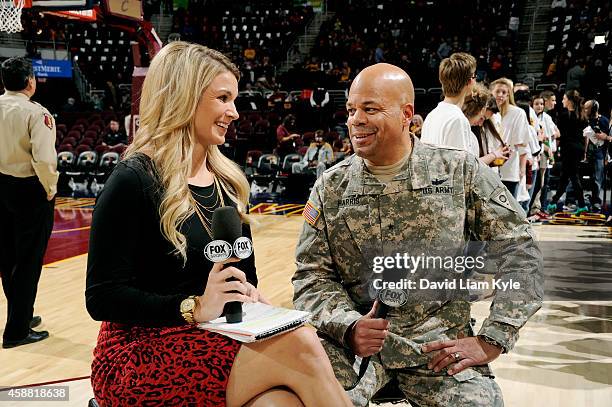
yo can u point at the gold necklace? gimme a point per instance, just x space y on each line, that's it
216 188
202 196
208 208
204 222
203 219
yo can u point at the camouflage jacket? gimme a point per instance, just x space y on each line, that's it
440 197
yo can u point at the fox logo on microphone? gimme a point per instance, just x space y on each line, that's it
393 298
243 247
218 251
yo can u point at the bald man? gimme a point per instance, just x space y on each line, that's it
396 197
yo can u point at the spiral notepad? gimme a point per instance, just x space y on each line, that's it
259 322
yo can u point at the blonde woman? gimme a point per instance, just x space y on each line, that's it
515 134
147 278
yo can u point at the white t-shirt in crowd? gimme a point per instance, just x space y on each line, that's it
534 147
514 132
446 125
550 128
492 142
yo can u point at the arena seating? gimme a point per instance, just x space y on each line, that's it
266 28
572 37
415 36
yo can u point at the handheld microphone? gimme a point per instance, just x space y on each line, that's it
228 240
386 298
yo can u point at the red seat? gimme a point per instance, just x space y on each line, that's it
65 147
308 137
69 140
82 148
88 141
91 134
119 149
101 149
78 127
94 128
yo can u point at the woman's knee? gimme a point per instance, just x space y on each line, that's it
277 397
307 347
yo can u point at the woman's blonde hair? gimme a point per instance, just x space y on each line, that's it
178 76
510 85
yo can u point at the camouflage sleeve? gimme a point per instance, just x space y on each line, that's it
494 216
317 286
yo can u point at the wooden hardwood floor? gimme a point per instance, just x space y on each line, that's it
564 356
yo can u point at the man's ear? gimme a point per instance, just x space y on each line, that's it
31 83
407 113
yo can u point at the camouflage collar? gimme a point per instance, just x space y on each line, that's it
414 174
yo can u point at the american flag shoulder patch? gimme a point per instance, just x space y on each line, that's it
311 214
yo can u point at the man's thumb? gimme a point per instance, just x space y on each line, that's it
372 312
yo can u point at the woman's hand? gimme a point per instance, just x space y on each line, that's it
220 291
255 295
502 152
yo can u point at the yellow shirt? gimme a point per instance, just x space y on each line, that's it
27 140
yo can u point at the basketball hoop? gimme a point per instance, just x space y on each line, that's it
10 16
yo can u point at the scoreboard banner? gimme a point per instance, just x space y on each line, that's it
51 68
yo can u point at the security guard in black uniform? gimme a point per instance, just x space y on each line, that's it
28 183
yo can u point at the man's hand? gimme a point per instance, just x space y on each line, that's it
601 136
464 352
368 334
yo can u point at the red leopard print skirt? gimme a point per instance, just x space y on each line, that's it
175 366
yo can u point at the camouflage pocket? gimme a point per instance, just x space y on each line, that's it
466 375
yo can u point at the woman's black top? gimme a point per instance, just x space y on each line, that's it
570 126
133 277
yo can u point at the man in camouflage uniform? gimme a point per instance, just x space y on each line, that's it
396 189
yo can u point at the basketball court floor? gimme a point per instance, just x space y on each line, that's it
563 358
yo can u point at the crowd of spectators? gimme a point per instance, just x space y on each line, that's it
256 35
573 56
413 35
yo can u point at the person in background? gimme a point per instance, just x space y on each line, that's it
416 125
446 125
546 129
515 133
28 184
114 136
286 138
70 105
572 147
474 108
318 157
596 149
533 152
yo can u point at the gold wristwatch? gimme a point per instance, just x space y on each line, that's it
188 306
